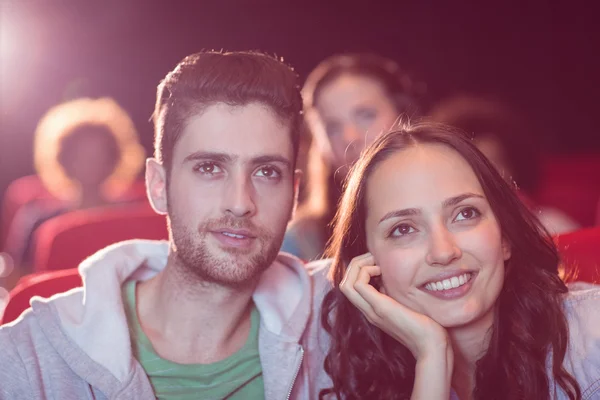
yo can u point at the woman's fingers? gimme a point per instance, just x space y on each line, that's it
354 269
382 305
419 333
348 284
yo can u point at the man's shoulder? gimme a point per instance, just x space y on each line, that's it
319 269
322 283
20 340
13 373
22 332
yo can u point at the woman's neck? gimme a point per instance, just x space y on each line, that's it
469 344
91 198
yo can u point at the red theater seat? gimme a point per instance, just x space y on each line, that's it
30 188
19 192
581 250
63 242
44 284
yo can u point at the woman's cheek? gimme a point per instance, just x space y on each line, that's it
397 273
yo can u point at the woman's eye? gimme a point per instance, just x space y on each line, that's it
268 172
333 129
402 230
467 213
365 116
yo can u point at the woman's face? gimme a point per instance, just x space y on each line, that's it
354 110
89 157
431 230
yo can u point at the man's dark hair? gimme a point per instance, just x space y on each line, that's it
235 78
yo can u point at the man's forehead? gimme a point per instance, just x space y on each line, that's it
245 132
223 116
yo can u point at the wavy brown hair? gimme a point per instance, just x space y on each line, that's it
235 78
529 322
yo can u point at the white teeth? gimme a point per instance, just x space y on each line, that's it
233 235
451 283
454 281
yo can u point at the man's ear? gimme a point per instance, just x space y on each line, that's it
156 185
298 175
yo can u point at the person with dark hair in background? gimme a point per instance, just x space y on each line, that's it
447 286
349 99
217 312
507 142
87 154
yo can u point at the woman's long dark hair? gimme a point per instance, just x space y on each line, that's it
529 322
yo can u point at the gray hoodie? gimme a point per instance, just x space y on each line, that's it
76 345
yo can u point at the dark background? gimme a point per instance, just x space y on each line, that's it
540 57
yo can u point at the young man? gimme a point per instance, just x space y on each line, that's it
217 312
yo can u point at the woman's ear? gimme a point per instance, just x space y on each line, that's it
506 249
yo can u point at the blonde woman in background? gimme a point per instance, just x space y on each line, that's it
87 154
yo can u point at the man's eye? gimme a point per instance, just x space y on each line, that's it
208 168
268 172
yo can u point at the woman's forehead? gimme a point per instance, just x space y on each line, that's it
419 175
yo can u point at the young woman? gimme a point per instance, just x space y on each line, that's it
446 286
349 100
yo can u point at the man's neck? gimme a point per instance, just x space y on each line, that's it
193 322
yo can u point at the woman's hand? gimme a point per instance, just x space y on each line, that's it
419 333
426 339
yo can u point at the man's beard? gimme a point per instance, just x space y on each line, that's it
230 267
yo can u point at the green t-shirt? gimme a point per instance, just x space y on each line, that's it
237 377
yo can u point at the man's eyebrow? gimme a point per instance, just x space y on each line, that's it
208 155
272 159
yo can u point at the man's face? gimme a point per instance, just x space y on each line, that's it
231 192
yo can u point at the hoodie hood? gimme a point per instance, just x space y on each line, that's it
93 316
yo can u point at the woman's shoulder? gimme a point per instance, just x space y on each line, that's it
582 310
581 305
581 294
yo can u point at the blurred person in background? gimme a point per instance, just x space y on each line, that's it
86 154
349 99
506 140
